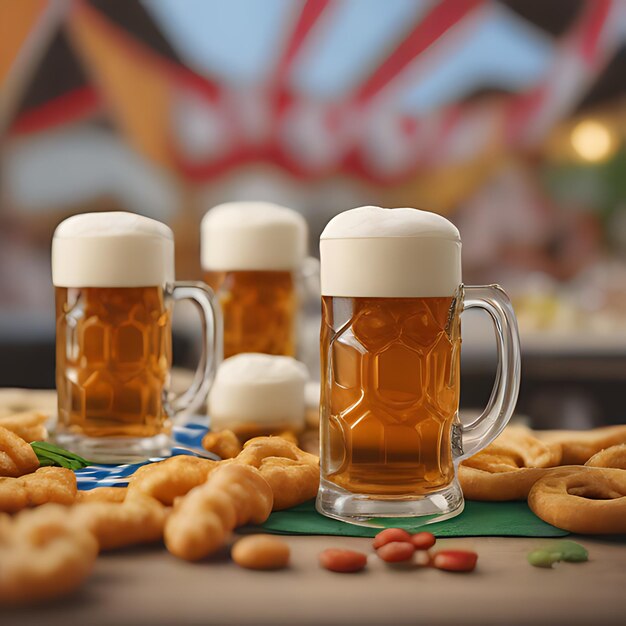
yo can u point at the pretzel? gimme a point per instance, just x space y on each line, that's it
507 468
202 520
47 484
29 425
43 555
102 494
615 457
138 520
167 480
292 473
16 456
585 500
579 446
224 443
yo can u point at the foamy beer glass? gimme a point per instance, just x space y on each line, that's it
392 297
114 280
253 257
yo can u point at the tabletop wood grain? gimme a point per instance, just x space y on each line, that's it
149 586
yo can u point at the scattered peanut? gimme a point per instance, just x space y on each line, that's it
455 560
423 540
261 552
396 551
388 535
344 561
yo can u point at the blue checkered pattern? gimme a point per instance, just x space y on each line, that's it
188 438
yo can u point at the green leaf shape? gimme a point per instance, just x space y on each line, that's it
51 455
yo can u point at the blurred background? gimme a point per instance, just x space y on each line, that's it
508 117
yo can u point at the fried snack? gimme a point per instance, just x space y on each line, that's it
47 484
292 473
585 500
102 494
507 468
43 555
202 521
167 480
138 520
579 446
615 457
224 443
29 425
16 456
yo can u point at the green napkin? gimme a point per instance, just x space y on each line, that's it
479 519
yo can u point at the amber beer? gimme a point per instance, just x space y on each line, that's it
260 310
390 345
114 279
393 393
113 360
252 253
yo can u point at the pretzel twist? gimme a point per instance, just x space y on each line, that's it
202 521
578 446
137 520
43 554
16 456
47 484
614 457
508 468
585 500
167 480
292 473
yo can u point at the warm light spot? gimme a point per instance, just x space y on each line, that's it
593 141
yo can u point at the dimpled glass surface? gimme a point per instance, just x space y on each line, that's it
113 360
390 393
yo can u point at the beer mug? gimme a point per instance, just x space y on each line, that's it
114 281
392 297
254 258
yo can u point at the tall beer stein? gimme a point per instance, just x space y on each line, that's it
253 255
114 280
392 297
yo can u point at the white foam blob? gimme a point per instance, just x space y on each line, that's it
112 249
253 236
258 389
374 252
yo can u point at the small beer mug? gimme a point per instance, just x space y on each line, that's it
392 296
253 256
114 281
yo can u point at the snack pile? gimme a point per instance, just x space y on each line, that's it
573 480
190 503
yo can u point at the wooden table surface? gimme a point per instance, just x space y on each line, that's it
149 586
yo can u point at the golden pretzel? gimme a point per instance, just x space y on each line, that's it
586 500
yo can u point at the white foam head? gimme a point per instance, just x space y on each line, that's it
258 390
390 253
114 249
253 236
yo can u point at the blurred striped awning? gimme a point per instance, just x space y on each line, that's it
320 86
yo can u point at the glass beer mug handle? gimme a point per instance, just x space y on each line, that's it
211 320
484 429
310 276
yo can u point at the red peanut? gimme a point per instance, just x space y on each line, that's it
344 561
396 551
388 535
423 541
455 560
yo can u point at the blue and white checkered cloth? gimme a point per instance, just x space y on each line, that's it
190 436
